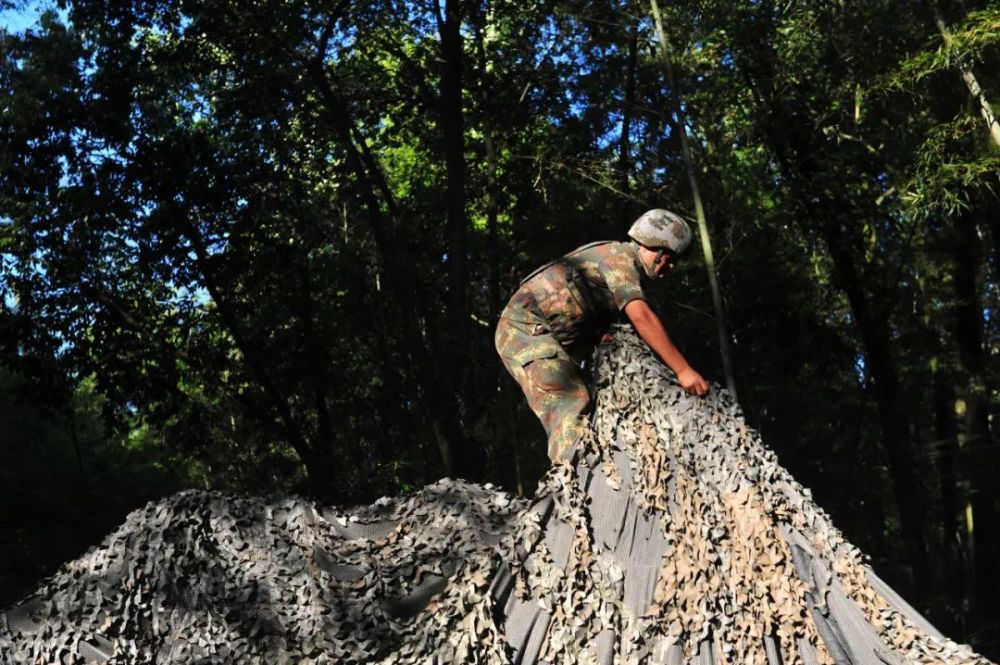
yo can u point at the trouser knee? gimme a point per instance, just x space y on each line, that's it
559 397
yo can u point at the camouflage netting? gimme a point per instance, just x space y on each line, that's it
674 537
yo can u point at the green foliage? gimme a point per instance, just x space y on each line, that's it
968 42
944 180
231 254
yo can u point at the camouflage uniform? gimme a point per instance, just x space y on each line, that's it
552 322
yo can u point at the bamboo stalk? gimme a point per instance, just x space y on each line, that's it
969 78
706 242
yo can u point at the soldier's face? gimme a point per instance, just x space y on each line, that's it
663 263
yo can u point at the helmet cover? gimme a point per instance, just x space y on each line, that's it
662 229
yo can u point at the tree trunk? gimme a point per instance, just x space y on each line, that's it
75 438
319 462
875 335
492 212
944 452
421 350
322 469
628 108
946 433
706 243
874 328
456 449
317 381
991 215
972 409
492 164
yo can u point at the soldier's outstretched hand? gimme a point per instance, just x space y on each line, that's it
692 382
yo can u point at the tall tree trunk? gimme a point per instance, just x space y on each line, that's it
316 364
972 409
946 433
628 108
506 458
872 325
456 449
394 261
75 438
875 335
945 452
991 215
492 165
317 382
492 213
706 243
324 473
320 464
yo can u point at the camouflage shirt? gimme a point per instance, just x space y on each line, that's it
580 294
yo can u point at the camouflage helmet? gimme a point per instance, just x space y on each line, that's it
662 229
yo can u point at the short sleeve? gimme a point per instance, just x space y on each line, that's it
621 275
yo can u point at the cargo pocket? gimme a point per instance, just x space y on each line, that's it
524 341
555 377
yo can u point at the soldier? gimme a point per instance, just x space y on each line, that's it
561 310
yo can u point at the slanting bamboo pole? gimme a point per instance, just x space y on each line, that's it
706 242
966 410
975 91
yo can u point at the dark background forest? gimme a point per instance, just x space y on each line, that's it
261 247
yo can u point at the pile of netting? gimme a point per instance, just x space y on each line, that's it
673 537
205 577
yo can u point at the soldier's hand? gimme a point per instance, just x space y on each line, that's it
692 382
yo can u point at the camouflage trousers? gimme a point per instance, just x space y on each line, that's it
549 378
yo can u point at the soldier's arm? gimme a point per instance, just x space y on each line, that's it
652 331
